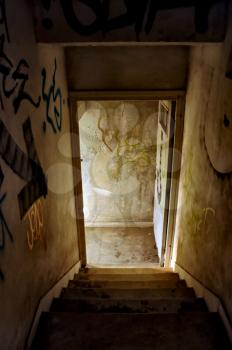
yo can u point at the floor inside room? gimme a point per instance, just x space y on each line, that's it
121 246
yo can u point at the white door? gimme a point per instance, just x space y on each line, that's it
165 137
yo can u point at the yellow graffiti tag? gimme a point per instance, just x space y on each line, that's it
201 218
35 219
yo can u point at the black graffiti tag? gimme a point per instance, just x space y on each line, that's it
27 167
3 18
140 13
14 80
4 229
53 102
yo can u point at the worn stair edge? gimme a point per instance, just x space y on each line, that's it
129 306
115 284
128 278
128 293
155 284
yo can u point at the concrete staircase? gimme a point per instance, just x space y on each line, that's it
132 308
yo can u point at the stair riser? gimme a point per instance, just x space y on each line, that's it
128 306
128 285
140 278
127 294
117 285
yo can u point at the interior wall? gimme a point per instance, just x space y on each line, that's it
127 67
118 152
205 198
38 234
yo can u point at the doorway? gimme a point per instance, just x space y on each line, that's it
125 159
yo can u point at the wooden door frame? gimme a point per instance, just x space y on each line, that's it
179 97
172 110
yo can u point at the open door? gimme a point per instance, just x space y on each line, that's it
169 136
165 139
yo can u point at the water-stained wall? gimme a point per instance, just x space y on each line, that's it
38 238
205 198
118 151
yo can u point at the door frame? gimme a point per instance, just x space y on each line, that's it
173 95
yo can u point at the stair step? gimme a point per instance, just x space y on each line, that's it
155 284
129 306
128 277
120 284
75 293
125 270
72 331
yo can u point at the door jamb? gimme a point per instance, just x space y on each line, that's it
77 181
179 97
172 236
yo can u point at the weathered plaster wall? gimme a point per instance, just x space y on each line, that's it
127 68
38 241
118 151
205 200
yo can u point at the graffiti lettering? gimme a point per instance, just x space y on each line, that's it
36 222
203 217
53 101
14 80
2 277
3 18
27 167
4 229
140 13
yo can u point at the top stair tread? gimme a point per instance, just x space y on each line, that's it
126 270
127 277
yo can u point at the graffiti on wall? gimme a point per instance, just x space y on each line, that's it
53 102
4 229
15 90
198 219
14 79
35 222
219 128
138 13
3 18
26 166
198 215
222 175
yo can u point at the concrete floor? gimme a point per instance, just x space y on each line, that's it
120 246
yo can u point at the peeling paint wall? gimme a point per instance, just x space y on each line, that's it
118 151
205 198
38 238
